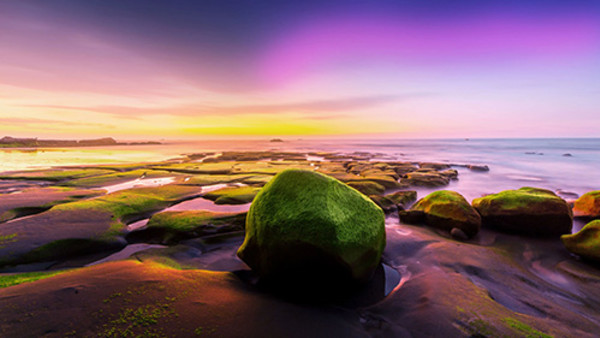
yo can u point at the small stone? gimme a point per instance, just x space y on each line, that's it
458 234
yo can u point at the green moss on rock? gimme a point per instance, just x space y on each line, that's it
446 210
586 242
313 231
526 211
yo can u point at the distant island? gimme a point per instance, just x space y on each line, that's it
13 142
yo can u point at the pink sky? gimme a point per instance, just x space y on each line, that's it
366 73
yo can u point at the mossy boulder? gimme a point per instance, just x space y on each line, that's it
447 210
526 211
586 242
314 232
588 205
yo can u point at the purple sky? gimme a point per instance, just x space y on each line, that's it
188 69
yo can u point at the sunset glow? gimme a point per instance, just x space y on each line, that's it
198 70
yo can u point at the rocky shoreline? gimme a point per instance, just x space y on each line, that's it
12 142
493 267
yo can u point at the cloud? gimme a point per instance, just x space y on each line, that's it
311 108
35 121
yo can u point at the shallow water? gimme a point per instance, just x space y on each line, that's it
126 252
204 204
139 183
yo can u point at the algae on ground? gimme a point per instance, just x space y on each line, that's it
125 205
54 174
173 226
233 195
26 277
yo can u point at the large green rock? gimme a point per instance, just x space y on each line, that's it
588 205
526 211
310 230
585 243
447 210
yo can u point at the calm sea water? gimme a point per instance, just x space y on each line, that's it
513 163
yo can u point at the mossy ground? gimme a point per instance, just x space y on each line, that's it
125 205
7 280
38 199
191 220
55 174
132 299
233 195
116 177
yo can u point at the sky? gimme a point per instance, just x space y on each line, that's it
139 69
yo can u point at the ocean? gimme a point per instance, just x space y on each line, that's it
567 166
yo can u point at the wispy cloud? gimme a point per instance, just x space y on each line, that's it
24 122
309 108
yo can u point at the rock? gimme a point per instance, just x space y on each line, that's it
403 168
389 182
586 242
386 204
379 172
276 140
312 232
367 187
446 210
411 216
403 197
458 234
434 166
526 211
450 173
427 179
475 167
567 155
588 205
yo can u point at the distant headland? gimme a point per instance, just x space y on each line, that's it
13 142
